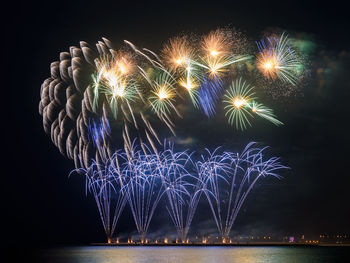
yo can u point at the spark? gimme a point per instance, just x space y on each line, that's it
264 112
238 102
164 93
217 53
214 53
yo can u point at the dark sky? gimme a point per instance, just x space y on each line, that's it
43 205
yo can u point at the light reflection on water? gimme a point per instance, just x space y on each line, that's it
196 255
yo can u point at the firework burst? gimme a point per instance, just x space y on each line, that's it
237 99
277 59
218 54
178 53
114 78
217 43
163 93
241 106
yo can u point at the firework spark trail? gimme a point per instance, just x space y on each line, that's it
144 188
211 169
237 98
106 184
264 112
99 133
180 189
231 177
208 95
104 180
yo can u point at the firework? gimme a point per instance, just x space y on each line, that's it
91 93
201 70
183 189
142 178
217 53
241 106
217 43
149 177
104 180
230 177
277 59
114 77
214 62
209 94
163 94
237 99
143 183
122 85
178 53
264 112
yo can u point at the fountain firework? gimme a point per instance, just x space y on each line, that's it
229 177
144 188
104 179
143 178
182 189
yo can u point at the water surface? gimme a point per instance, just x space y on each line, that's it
95 254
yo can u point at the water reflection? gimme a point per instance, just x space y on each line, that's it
195 254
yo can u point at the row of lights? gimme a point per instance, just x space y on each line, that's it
205 240
311 241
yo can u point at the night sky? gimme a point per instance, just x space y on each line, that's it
43 205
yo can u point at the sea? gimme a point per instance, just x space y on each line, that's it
219 254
